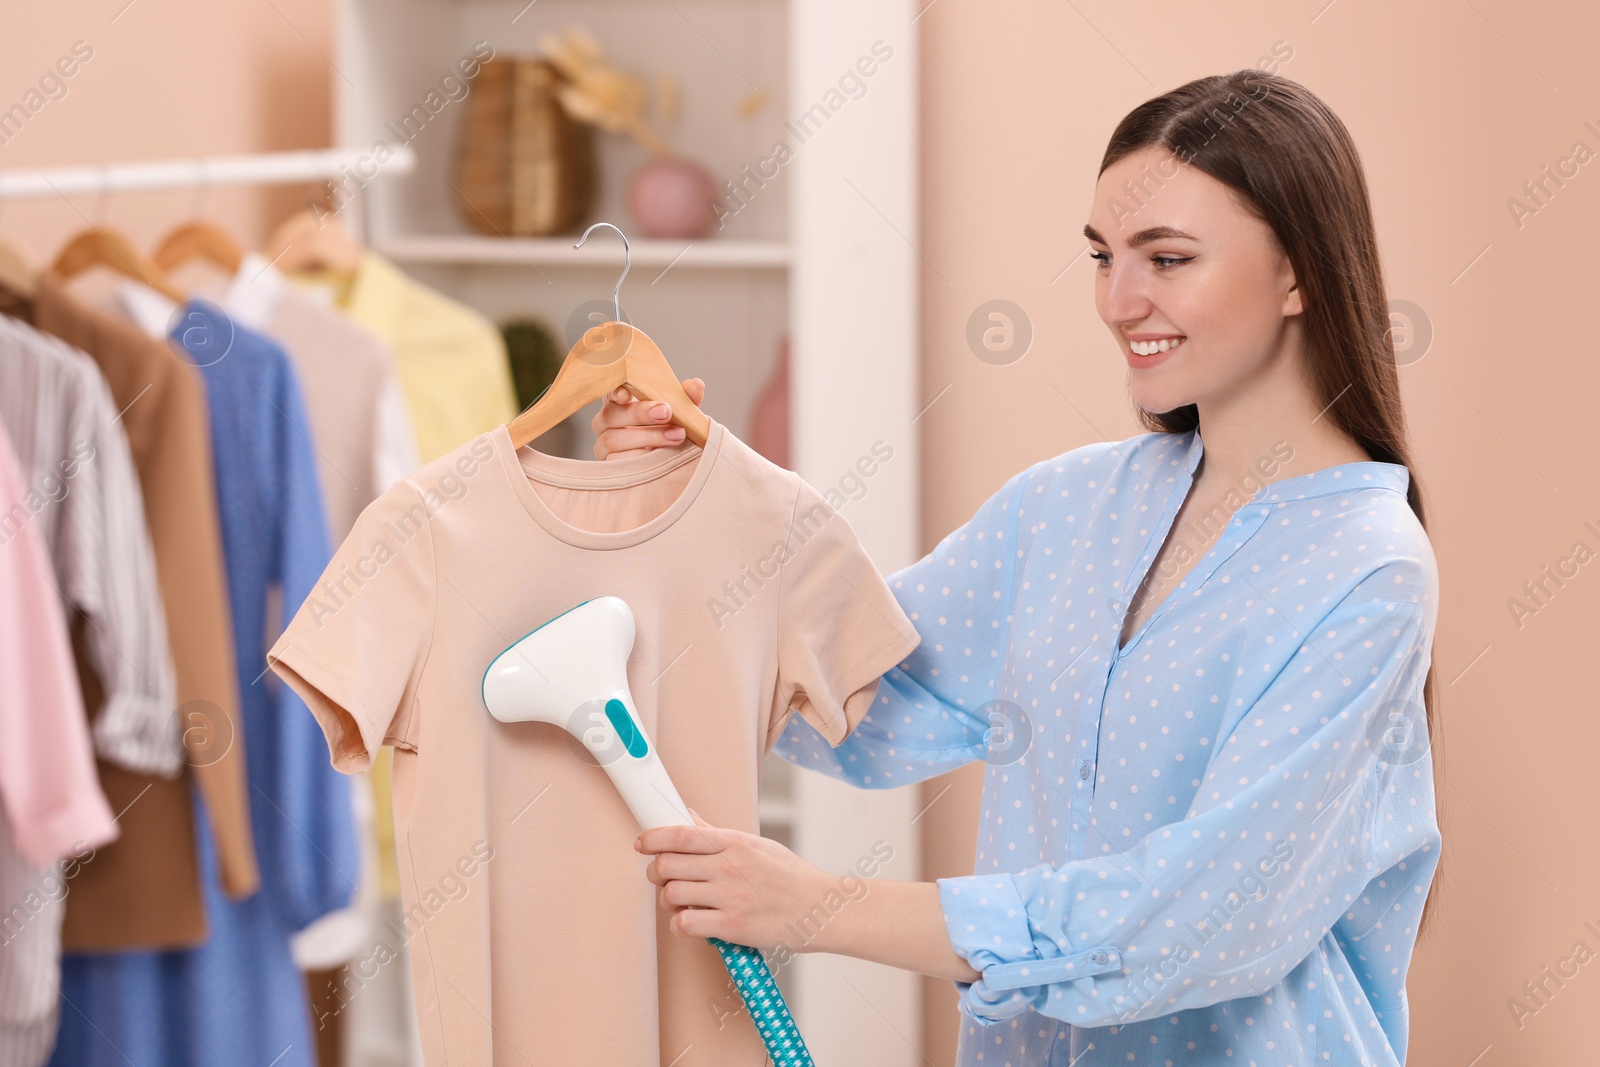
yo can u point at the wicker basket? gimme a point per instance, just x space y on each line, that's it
526 167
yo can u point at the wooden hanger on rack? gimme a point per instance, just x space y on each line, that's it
608 355
199 240
99 246
19 271
304 242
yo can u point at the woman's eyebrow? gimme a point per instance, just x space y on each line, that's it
1143 237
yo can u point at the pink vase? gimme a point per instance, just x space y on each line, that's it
669 196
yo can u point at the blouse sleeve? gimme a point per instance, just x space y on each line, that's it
1320 793
929 714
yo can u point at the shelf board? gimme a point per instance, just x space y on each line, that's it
601 250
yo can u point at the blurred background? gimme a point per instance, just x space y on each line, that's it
828 205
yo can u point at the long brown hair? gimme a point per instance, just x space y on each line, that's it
1289 159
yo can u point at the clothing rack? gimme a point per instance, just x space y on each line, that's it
266 168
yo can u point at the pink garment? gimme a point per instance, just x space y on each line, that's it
533 934
48 785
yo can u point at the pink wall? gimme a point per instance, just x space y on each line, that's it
1454 107
166 79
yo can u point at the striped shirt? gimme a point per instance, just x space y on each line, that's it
51 806
83 497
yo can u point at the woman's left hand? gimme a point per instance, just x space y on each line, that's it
730 884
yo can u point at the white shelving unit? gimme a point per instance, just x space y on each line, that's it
822 247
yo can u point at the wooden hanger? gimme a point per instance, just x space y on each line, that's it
19 271
304 242
103 247
606 356
199 240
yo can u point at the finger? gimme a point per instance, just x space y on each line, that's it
631 412
699 922
681 866
691 839
680 894
698 821
601 453
609 408
635 440
695 389
621 408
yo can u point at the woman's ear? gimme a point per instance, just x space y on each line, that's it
1292 303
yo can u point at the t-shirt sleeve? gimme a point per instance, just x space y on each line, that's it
839 625
356 647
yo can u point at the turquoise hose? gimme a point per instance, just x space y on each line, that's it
765 1003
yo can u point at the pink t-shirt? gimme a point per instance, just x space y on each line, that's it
534 935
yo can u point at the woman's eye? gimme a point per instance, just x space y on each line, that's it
1103 259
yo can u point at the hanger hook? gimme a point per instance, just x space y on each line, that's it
627 261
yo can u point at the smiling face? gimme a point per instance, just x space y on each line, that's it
1195 289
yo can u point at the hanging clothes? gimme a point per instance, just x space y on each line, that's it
754 602
241 989
144 890
81 497
347 373
84 500
53 807
364 444
452 360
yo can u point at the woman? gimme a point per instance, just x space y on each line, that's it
1209 824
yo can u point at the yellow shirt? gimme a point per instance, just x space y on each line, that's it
451 359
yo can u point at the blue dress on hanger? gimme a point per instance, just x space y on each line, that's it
239 998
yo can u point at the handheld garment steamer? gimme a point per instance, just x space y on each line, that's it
573 672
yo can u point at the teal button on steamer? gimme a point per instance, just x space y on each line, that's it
573 672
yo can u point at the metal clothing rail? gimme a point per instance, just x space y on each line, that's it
269 168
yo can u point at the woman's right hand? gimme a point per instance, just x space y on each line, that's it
626 427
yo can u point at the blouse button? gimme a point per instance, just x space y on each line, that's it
1083 770
1100 957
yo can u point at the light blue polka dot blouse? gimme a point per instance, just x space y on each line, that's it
1211 845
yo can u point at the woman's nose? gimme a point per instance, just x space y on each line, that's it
1123 296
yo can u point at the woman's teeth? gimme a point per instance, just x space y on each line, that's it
1150 348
